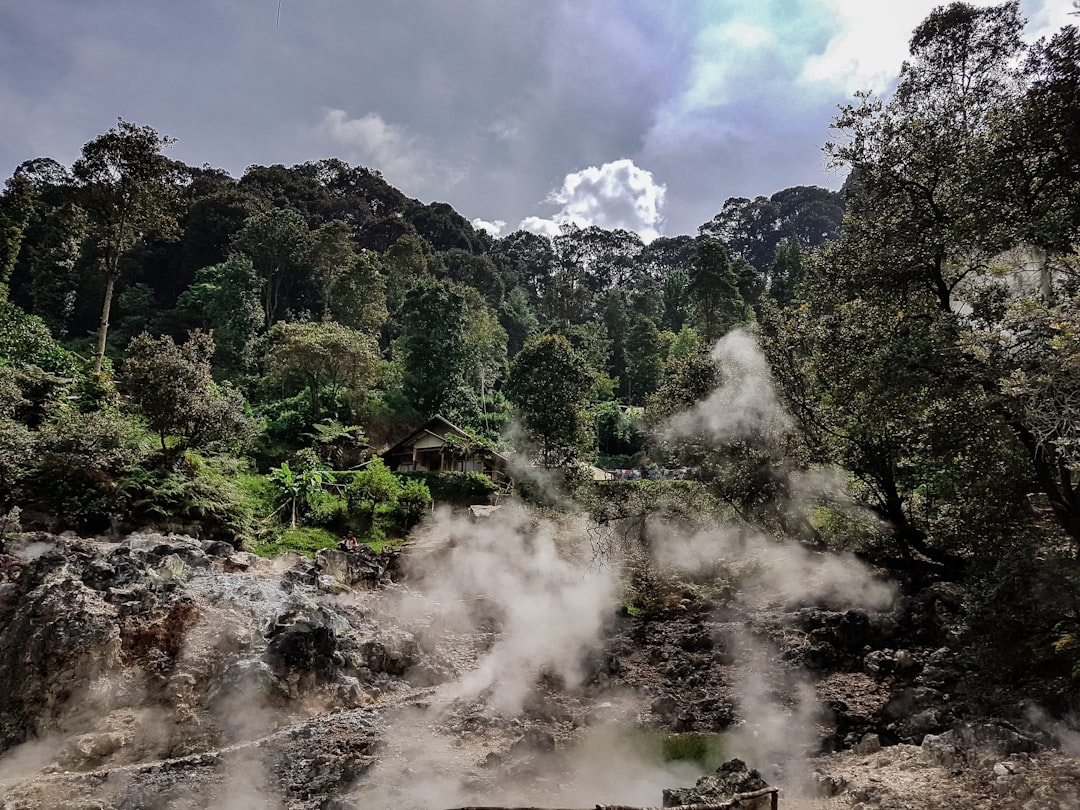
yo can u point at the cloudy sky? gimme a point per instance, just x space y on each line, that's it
643 114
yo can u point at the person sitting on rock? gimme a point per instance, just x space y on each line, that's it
349 542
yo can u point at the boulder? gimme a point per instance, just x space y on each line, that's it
731 779
360 567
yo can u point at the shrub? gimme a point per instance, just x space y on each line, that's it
81 460
384 504
197 495
326 509
456 488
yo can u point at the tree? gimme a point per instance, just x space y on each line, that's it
453 350
714 288
384 502
130 195
16 206
433 347
298 485
478 272
527 260
217 211
924 218
173 388
407 261
924 357
54 277
549 383
752 229
278 243
678 304
517 318
326 356
645 356
786 272
331 255
225 300
357 295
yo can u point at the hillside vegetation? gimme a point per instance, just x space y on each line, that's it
185 350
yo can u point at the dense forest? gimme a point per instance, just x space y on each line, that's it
181 348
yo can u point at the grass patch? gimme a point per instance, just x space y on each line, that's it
302 540
386 544
704 750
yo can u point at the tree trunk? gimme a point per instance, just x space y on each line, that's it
103 327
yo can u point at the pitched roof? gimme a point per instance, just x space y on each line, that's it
426 428
436 421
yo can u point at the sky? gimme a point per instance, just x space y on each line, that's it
637 114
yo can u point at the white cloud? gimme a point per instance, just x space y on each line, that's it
720 54
615 195
404 160
494 228
872 40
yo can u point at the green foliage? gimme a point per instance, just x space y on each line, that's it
686 344
25 341
452 349
300 487
225 298
384 504
786 272
920 356
549 383
518 319
356 297
129 193
645 357
458 488
337 444
197 494
714 287
17 451
54 266
278 244
327 357
81 459
173 387
753 229
301 539
618 432
1021 612
259 492
16 205
286 428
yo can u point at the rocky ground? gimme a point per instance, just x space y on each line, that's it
161 672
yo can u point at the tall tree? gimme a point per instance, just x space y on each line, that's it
715 290
357 295
16 206
434 347
328 357
550 383
278 243
54 276
929 342
225 300
130 194
645 356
